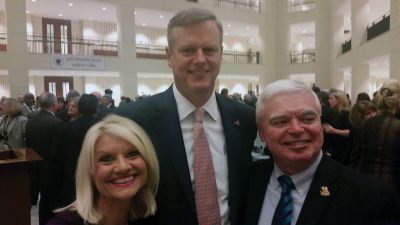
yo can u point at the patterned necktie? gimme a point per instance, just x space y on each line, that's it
283 212
205 189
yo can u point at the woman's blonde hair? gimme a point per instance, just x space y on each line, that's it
86 194
14 107
343 101
388 97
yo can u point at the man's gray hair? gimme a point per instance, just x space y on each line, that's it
189 17
46 100
281 87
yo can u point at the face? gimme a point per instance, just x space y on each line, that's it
73 109
5 107
333 101
195 58
29 100
105 101
120 170
291 128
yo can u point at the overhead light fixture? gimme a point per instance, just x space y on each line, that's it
248 28
104 8
226 34
229 25
33 0
304 31
90 18
134 12
71 4
27 12
60 14
161 16
144 24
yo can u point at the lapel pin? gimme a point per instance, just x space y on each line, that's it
324 191
236 122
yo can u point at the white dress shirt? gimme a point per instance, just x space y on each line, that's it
215 135
302 182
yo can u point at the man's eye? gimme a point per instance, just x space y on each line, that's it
209 51
106 159
279 122
309 119
187 51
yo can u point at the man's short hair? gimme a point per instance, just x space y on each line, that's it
88 104
46 100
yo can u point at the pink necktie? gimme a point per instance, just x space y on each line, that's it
204 178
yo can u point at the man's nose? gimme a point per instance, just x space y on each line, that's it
199 56
295 126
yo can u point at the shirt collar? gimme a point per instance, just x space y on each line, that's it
301 180
185 107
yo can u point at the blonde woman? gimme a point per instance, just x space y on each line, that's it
116 178
338 130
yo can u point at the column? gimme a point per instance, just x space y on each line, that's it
394 13
16 43
322 44
360 80
359 21
337 80
338 35
127 49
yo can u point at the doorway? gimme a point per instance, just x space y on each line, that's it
59 86
57 36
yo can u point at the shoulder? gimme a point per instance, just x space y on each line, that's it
66 217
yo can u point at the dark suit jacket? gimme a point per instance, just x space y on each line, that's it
64 157
355 199
158 115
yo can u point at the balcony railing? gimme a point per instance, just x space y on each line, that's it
300 5
36 43
251 5
346 46
378 27
3 41
157 51
306 56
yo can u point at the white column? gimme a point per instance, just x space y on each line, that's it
359 21
16 43
394 13
337 80
127 49
360 80
322 44
338 34
394 65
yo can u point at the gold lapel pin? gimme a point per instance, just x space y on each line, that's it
324 191
236 122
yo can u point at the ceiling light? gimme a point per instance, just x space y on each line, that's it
229 25
60 14
161 16
33 0
71 4
226 34
135 12
248 28
104 8
143 24
90 18
27 11
304 31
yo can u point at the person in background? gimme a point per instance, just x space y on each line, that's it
66 147
12 125
108 91
107 101
40 133
116 177
300 184
337 132
63 114
362 96
29 104
379 143
203 140
73 111
61 104
224 92
20 98
359 113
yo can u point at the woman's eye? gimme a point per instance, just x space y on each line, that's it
106 159
132 154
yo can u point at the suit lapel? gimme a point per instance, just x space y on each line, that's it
169 133
260 175
322 190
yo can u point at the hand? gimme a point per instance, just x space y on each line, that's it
328 128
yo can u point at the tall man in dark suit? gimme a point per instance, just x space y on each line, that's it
195 54
39 135
301 185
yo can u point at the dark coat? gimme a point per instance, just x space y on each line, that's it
355 199
158 115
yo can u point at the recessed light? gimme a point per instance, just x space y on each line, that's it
161 16
60 14
144 24
27 12
135 12
71 4
304 31
33 0
248 28
226 34
229 25
104 8
90 18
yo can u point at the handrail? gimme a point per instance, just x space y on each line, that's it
305 56
379 19
297 6
240 4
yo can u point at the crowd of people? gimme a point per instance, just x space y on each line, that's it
183 156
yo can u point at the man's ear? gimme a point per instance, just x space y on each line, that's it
168 53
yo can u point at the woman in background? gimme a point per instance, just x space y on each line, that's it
116 177
379 143
12 125
73 111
